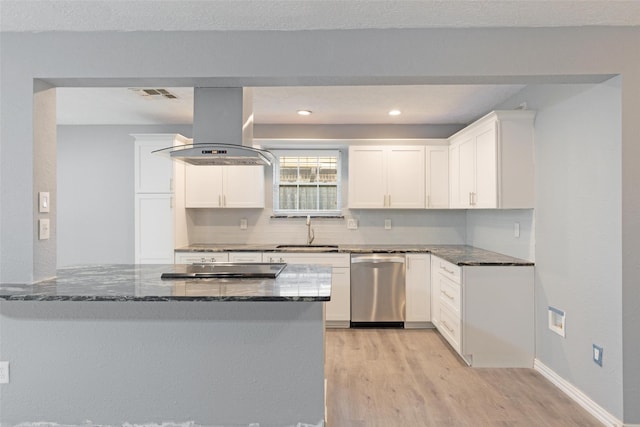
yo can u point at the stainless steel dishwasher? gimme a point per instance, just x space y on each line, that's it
377 290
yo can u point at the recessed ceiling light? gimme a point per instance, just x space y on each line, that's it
304 112
395 112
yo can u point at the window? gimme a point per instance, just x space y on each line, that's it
306 182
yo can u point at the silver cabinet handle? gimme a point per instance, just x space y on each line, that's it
224 200
446 294
389 200
446 270
219 200
444 323
470 199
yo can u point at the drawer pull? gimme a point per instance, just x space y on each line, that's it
446 270
447 295
444 323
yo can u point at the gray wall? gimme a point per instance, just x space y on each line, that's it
162 363
95 215
326 57
494 230
578 232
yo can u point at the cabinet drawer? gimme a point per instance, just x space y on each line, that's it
449 327
449 270
450 294
330 259
246 257
200 257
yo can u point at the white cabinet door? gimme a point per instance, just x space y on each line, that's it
486 170
467 172
367 177
224 186
338 310
153 172
418 289
203 186
437 176
154 229
243 186
435 292
386 177
454 176
405 177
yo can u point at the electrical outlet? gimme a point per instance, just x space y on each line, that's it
387 224
352 224
597 354
4 372
243 224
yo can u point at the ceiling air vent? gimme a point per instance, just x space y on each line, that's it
154 93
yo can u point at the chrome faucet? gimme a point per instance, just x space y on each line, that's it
310 233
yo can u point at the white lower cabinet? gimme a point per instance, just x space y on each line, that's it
154 228
245 257
418 290
485 312
200 257
338 310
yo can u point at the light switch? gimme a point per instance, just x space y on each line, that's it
44 201
43 229
243 224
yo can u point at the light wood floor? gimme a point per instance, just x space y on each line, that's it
411 378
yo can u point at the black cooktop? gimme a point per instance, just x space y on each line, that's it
222 270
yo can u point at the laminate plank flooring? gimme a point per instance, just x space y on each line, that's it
412 378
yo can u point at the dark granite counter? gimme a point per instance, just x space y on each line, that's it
456 254
142 283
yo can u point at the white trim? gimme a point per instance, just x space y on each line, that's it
578 396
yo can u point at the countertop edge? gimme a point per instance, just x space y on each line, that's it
450 253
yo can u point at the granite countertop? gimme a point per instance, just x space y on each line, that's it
307 283
456 254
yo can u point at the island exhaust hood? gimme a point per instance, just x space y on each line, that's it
222 130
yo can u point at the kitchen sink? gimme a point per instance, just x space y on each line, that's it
325 248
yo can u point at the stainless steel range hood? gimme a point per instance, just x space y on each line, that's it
222 130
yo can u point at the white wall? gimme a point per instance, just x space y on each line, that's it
95 203
578 232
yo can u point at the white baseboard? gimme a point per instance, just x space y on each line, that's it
578 396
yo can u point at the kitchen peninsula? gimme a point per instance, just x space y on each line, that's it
209 352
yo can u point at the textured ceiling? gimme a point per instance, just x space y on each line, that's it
187 15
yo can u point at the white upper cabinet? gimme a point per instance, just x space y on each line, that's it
437 176
154 172
491 162
154 198
386 177
224 186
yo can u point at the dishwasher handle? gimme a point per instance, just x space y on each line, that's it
377 259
